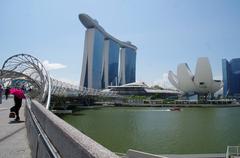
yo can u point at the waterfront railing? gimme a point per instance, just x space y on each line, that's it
233 152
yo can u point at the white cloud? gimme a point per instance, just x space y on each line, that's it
219 77
73 82
162 82
52 66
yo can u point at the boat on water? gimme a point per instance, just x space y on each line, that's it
175 109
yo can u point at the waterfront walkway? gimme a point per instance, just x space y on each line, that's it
13 135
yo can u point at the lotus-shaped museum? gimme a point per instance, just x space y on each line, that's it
200 83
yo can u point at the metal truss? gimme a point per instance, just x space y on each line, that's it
27 72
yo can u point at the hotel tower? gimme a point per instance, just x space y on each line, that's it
107 61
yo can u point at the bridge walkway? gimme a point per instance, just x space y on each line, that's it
13 135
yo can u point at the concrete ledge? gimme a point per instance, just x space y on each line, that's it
70 142
138 154
35 142
62 111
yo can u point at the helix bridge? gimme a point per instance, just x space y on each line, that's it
26 71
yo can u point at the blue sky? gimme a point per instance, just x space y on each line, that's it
166 32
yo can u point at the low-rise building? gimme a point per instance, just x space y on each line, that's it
142 89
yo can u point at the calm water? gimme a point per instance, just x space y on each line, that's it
159 131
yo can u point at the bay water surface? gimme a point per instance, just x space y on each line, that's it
159 130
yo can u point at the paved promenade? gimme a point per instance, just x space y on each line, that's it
13 135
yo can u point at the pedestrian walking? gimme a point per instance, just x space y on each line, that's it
1 92
18 96
7 91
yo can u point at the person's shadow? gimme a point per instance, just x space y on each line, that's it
14 122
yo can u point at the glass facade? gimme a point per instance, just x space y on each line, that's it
86 77
97 60
104 63
231 77
113 59
225 70
101 62
130 65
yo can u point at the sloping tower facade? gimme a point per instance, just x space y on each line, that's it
107 61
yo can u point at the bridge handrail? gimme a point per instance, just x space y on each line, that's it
51 149
69 141
232 151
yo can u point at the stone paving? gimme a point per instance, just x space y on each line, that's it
13 135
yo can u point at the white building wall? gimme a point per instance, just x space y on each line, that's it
173 79
122 76
87 57
106 62
185 78
203 75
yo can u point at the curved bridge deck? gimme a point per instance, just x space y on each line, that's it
13 135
